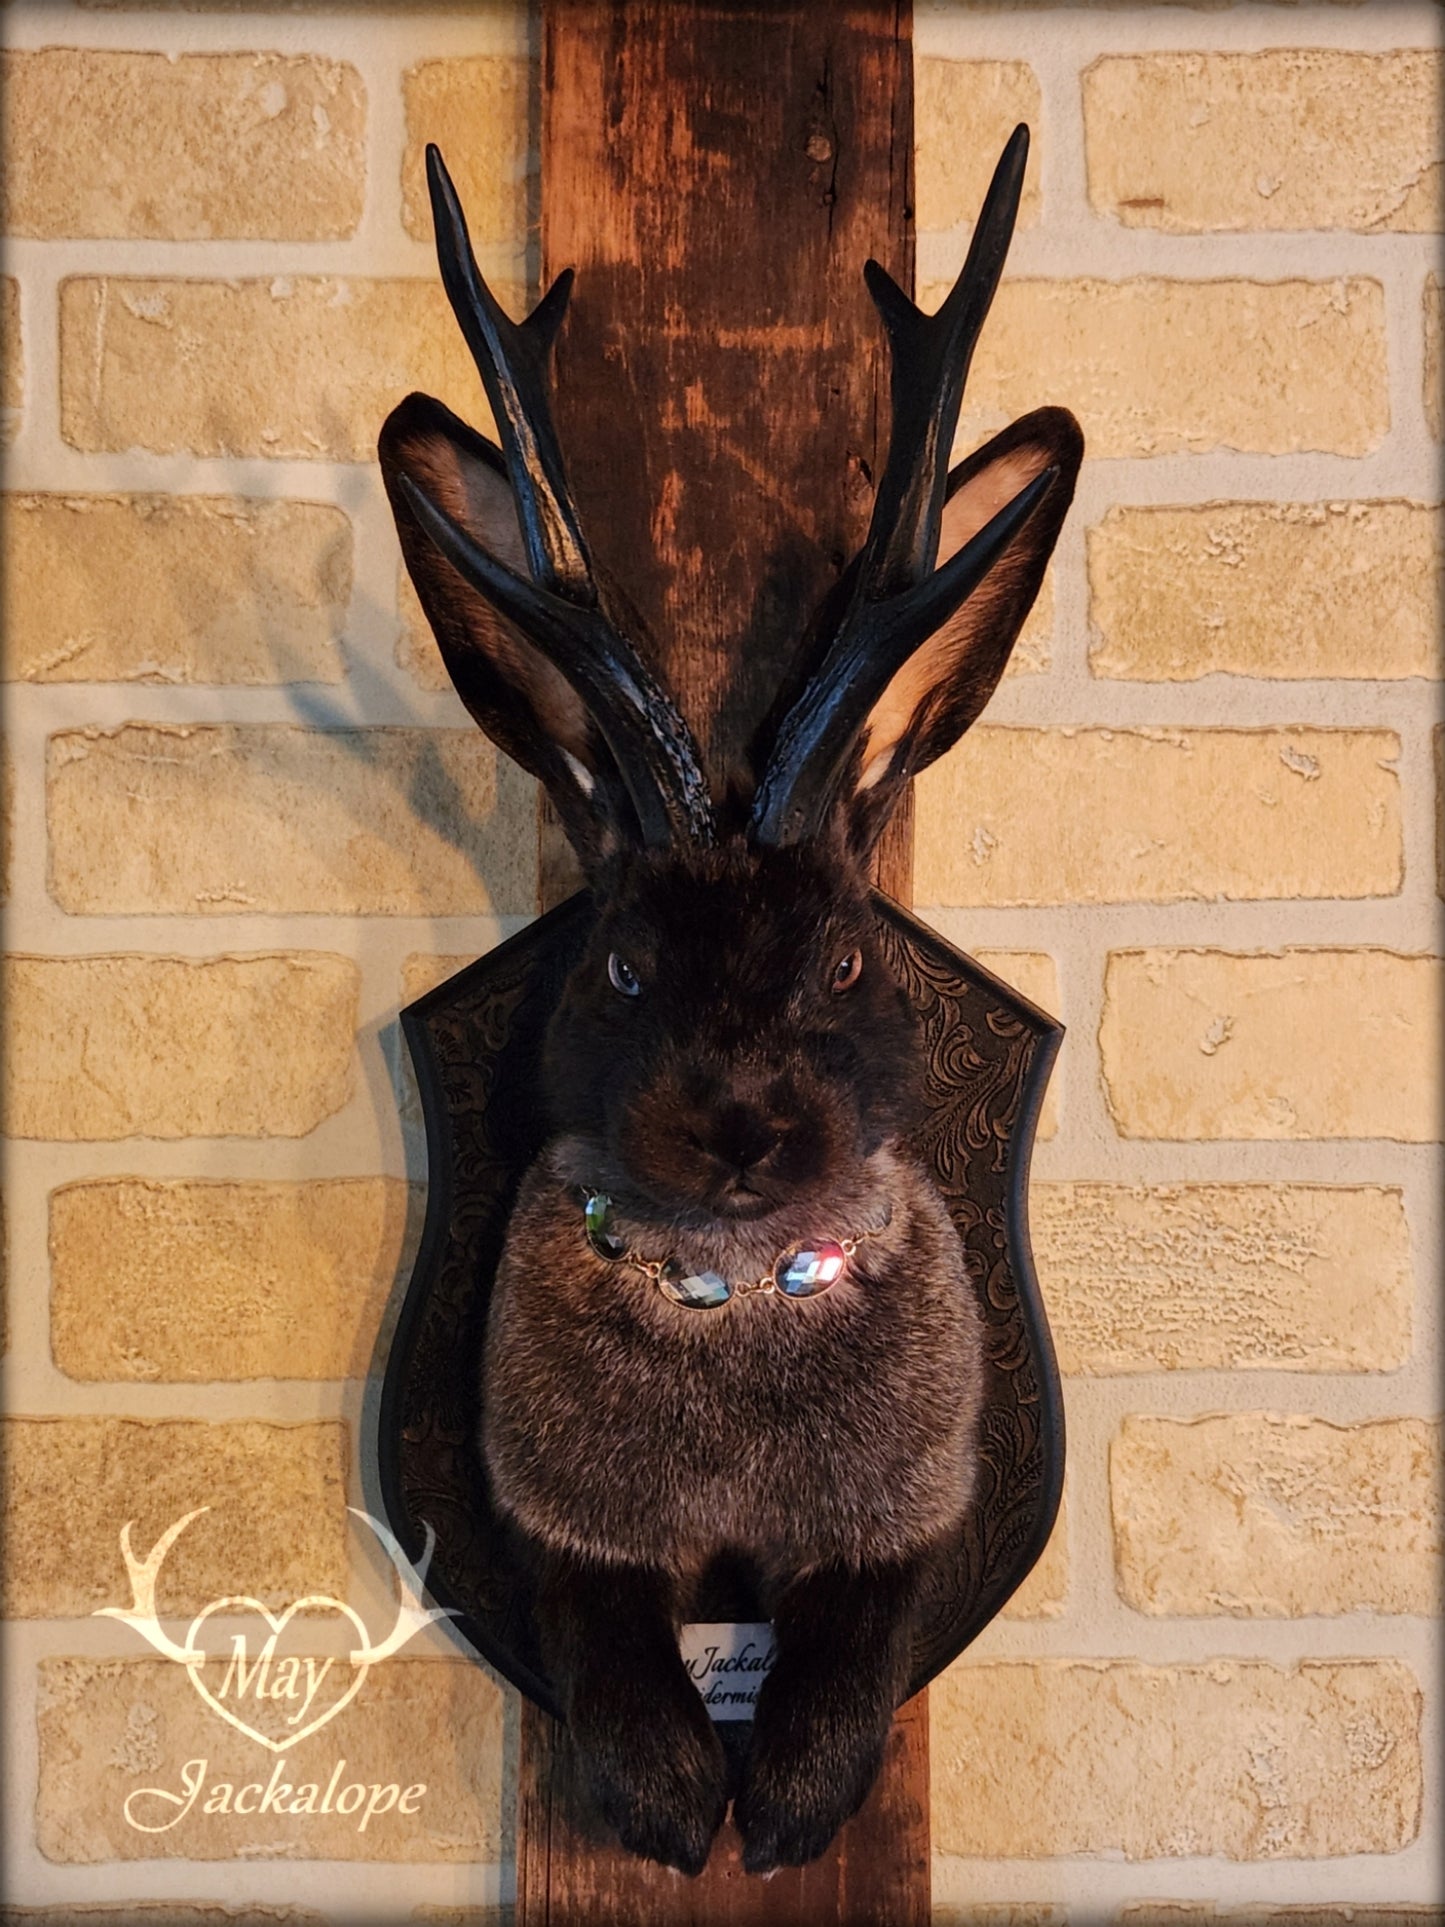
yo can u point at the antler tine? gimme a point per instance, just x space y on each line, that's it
143 1573
512 358
896 599
412 1612
930 362
559 609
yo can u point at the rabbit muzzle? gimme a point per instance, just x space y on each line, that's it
735 1143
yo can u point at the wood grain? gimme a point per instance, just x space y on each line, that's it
718 174
570 1872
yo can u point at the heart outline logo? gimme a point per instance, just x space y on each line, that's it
412 1615
237 1602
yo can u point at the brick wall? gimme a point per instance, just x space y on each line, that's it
1213 813
248 820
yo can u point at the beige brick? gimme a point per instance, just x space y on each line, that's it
479 112
1283 589
416 648
1184 1913
333 6
1003 1913
276 1528
185 1282
110 1047
7 811
1033 652
182 147
160 1913
325 7
502 1915
1034 975
111 1729
1434 362
12 360
419 974
339 6
174 589
963 112
1224 1277
1296 137
292 366
1259 1515
1156 367
232 820
1304 1762
1044 816
1045 1592
1285 1044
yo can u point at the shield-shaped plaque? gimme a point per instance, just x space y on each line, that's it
475 1042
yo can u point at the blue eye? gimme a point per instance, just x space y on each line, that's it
622 976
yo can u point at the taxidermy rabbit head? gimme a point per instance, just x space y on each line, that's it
734 1067
732 1037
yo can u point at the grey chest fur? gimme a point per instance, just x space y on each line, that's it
839 1428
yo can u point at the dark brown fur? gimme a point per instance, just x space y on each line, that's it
734 1093
824 1444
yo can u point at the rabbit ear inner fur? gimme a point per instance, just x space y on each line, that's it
522 701
943 687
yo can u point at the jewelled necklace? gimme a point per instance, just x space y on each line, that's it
800 1271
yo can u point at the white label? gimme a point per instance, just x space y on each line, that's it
728 1663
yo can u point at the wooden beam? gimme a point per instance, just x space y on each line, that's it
718 173
571 1873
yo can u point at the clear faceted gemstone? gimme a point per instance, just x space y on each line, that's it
603 1240
698 1290
805 1270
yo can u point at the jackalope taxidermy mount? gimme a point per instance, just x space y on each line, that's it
733 1321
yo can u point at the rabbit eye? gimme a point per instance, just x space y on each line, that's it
848 971
622 977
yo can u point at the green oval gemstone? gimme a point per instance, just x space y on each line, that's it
697 1290
598 1217
805 1270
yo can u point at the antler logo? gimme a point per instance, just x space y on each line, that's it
286 1686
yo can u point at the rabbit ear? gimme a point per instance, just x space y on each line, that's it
943 687
524 703
511 588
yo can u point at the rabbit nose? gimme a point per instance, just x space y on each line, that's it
741 1137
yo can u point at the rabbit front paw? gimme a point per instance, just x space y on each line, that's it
658 1777
806 1776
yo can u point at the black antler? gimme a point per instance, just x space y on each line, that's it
893 599
559 611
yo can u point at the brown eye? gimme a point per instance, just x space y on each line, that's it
847 971
622 977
